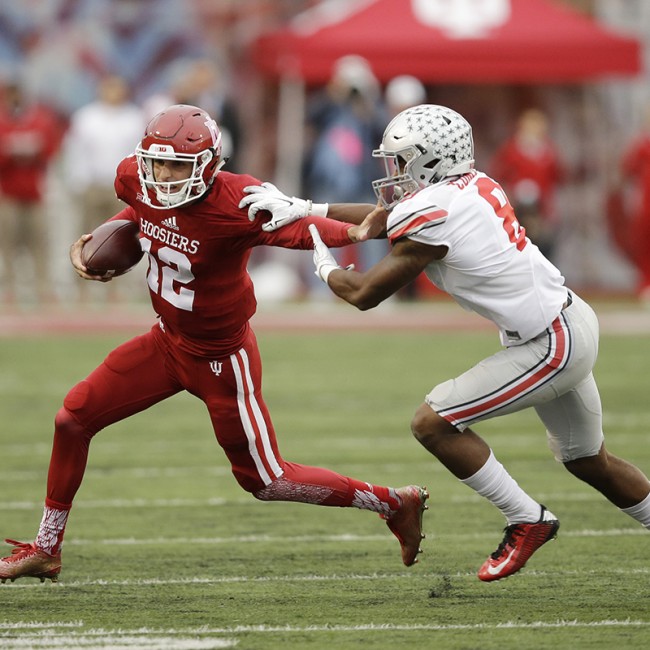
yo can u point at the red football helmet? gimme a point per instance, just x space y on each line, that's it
181 133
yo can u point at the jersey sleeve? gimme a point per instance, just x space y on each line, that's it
416 221
127 213
126 180
295 235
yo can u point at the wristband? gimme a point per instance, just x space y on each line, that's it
317 209
325 270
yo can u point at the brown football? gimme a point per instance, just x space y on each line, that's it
114 248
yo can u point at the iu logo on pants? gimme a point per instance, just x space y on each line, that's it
215 366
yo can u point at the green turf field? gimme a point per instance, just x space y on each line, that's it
164 550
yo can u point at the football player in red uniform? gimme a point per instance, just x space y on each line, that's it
196 231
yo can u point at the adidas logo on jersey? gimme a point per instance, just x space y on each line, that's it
170 223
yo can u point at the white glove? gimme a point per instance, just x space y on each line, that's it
284 209
323 258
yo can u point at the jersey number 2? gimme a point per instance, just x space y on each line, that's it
169 280
496 197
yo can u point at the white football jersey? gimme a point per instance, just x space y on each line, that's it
491 267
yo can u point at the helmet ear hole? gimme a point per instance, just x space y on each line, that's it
431 164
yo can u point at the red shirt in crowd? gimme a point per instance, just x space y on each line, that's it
29 138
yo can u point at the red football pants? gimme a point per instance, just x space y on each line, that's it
146 370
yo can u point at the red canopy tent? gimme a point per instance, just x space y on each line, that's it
438 41
464 41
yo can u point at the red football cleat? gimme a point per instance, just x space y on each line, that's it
519 543
28 561
406 522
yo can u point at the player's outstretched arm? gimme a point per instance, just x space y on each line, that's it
373 225
402 265
355 213
284 209
287 209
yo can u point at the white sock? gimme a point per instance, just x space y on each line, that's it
640 512
500 489
50 532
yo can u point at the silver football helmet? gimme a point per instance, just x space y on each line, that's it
421 146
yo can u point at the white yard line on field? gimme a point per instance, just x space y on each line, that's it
373 577
129 503
151 638
12 476
34 625
309 539
119 640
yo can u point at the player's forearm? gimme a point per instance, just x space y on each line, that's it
351 287
370 288
350 212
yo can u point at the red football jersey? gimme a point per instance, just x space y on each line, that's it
198 256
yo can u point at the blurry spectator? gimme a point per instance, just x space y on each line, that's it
403 92
345 123
630 219
101 134
530 170
30 136
202 83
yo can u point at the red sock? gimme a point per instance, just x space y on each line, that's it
327 488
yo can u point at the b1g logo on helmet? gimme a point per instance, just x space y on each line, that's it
462 18
161 148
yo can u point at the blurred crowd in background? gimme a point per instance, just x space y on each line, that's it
79 79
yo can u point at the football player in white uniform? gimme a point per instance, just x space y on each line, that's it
456 224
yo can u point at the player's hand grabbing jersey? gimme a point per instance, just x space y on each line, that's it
198 256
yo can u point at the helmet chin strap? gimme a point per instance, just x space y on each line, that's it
217 169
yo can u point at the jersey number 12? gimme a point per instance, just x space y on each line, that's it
168 277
